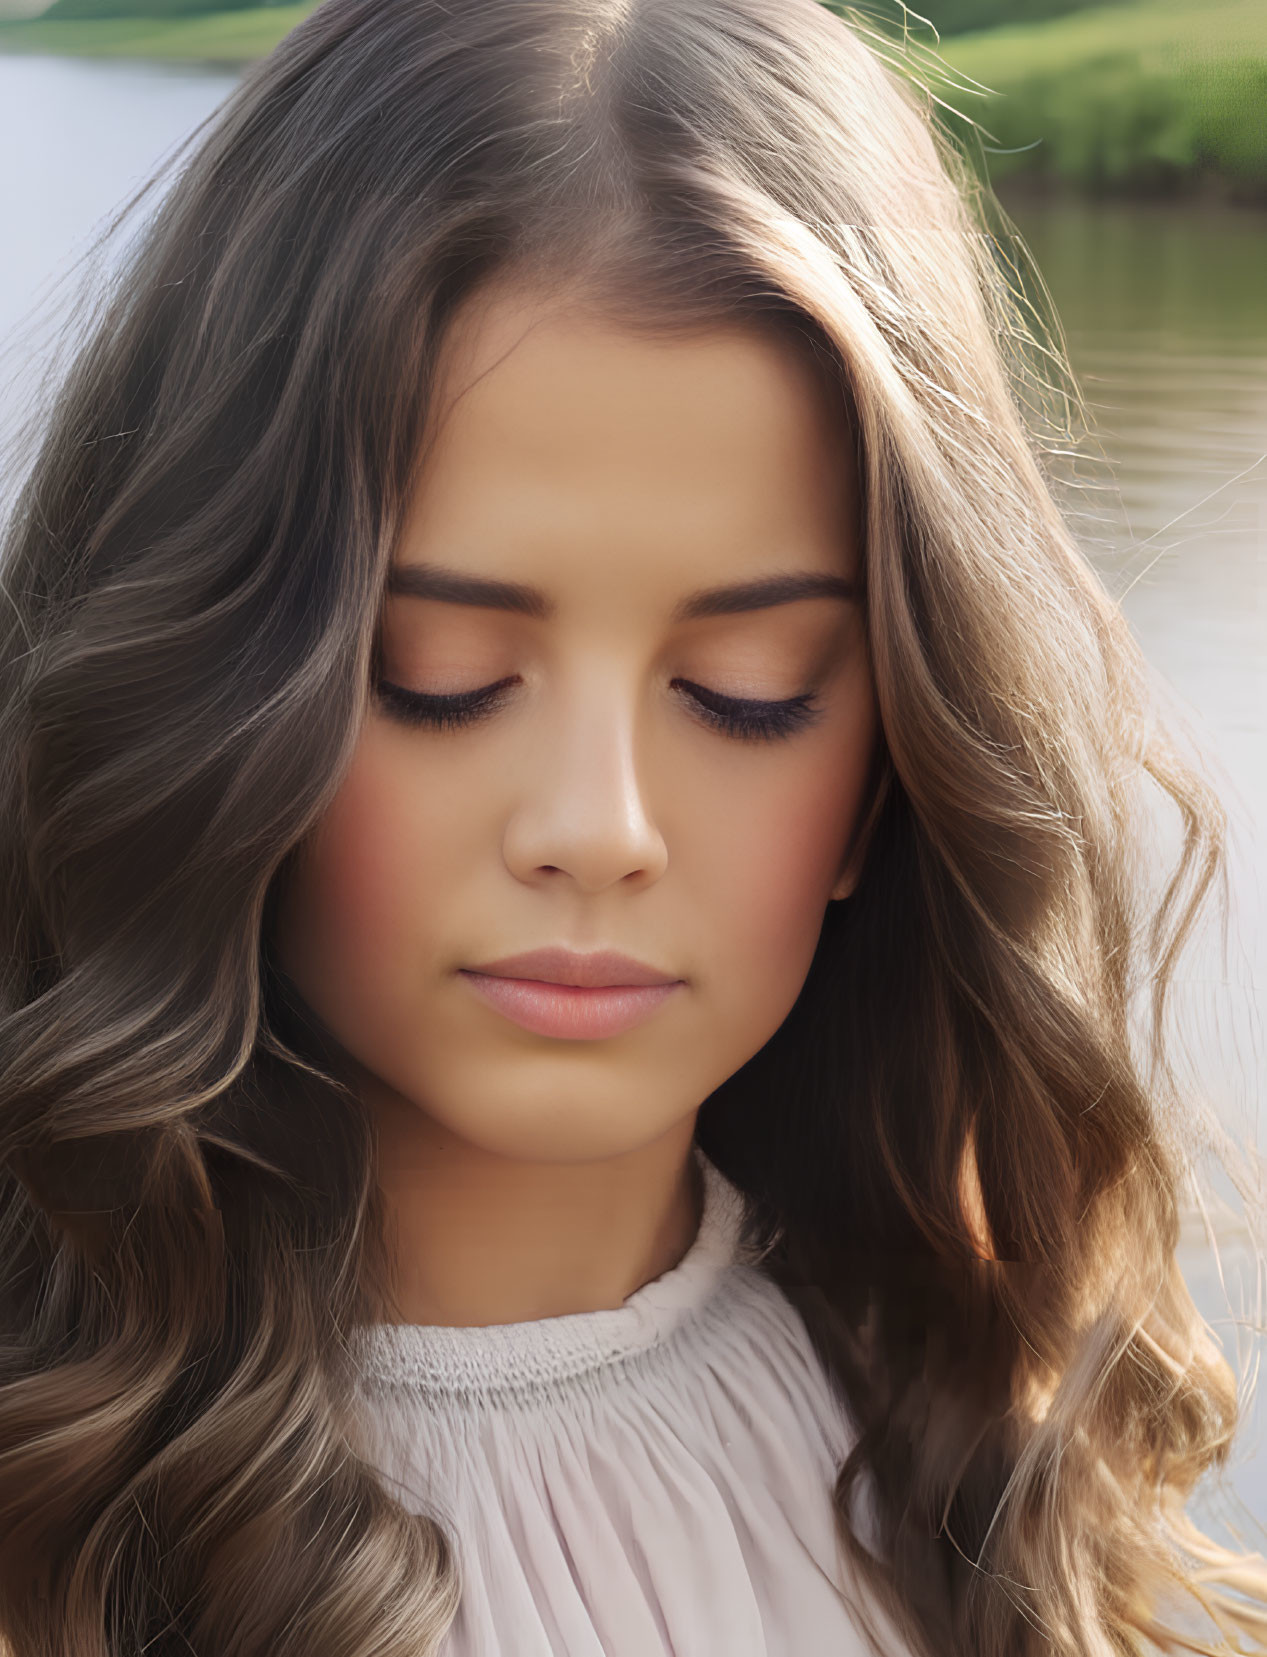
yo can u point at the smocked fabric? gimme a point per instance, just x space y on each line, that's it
652 1480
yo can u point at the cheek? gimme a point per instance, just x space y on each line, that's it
776 860
364 881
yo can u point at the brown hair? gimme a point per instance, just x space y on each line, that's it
966 1185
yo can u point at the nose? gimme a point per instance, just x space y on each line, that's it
582 810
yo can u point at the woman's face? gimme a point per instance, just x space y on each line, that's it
670 767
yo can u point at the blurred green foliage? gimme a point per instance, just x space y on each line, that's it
222 36
1152 97
956 17
79 10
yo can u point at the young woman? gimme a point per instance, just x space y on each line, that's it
574 903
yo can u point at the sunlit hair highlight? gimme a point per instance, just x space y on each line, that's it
958 1158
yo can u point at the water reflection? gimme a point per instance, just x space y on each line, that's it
1165 324
1165 321
82 137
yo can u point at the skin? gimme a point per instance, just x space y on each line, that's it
527 1176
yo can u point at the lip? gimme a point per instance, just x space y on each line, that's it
600 969
556 992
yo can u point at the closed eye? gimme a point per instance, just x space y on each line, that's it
747 718
744 718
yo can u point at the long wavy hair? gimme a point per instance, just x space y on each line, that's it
957 1150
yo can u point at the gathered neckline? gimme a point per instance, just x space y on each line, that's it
540 1352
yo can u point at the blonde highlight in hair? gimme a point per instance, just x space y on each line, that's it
957 1165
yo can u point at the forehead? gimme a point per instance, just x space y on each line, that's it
554 431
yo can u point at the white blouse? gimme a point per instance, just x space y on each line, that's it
651 1479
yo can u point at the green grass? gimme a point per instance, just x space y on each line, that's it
80 9
221 37
1150 96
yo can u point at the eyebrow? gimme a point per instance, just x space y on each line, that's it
453 587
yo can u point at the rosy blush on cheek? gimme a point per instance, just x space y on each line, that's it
764 897
776 860
773 900
358 885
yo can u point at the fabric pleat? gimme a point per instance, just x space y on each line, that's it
652 1480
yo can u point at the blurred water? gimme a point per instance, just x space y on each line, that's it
1167 327
1166 322
79 138
1165 314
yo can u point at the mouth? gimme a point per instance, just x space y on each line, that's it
572 997
602 969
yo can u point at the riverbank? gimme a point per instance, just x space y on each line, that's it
1147 97
1155 97
232 38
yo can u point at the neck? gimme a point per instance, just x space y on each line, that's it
475 1238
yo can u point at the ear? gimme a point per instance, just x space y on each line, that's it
856 853
847 881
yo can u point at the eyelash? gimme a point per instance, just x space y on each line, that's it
739 717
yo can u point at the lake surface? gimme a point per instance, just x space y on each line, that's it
1166 325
